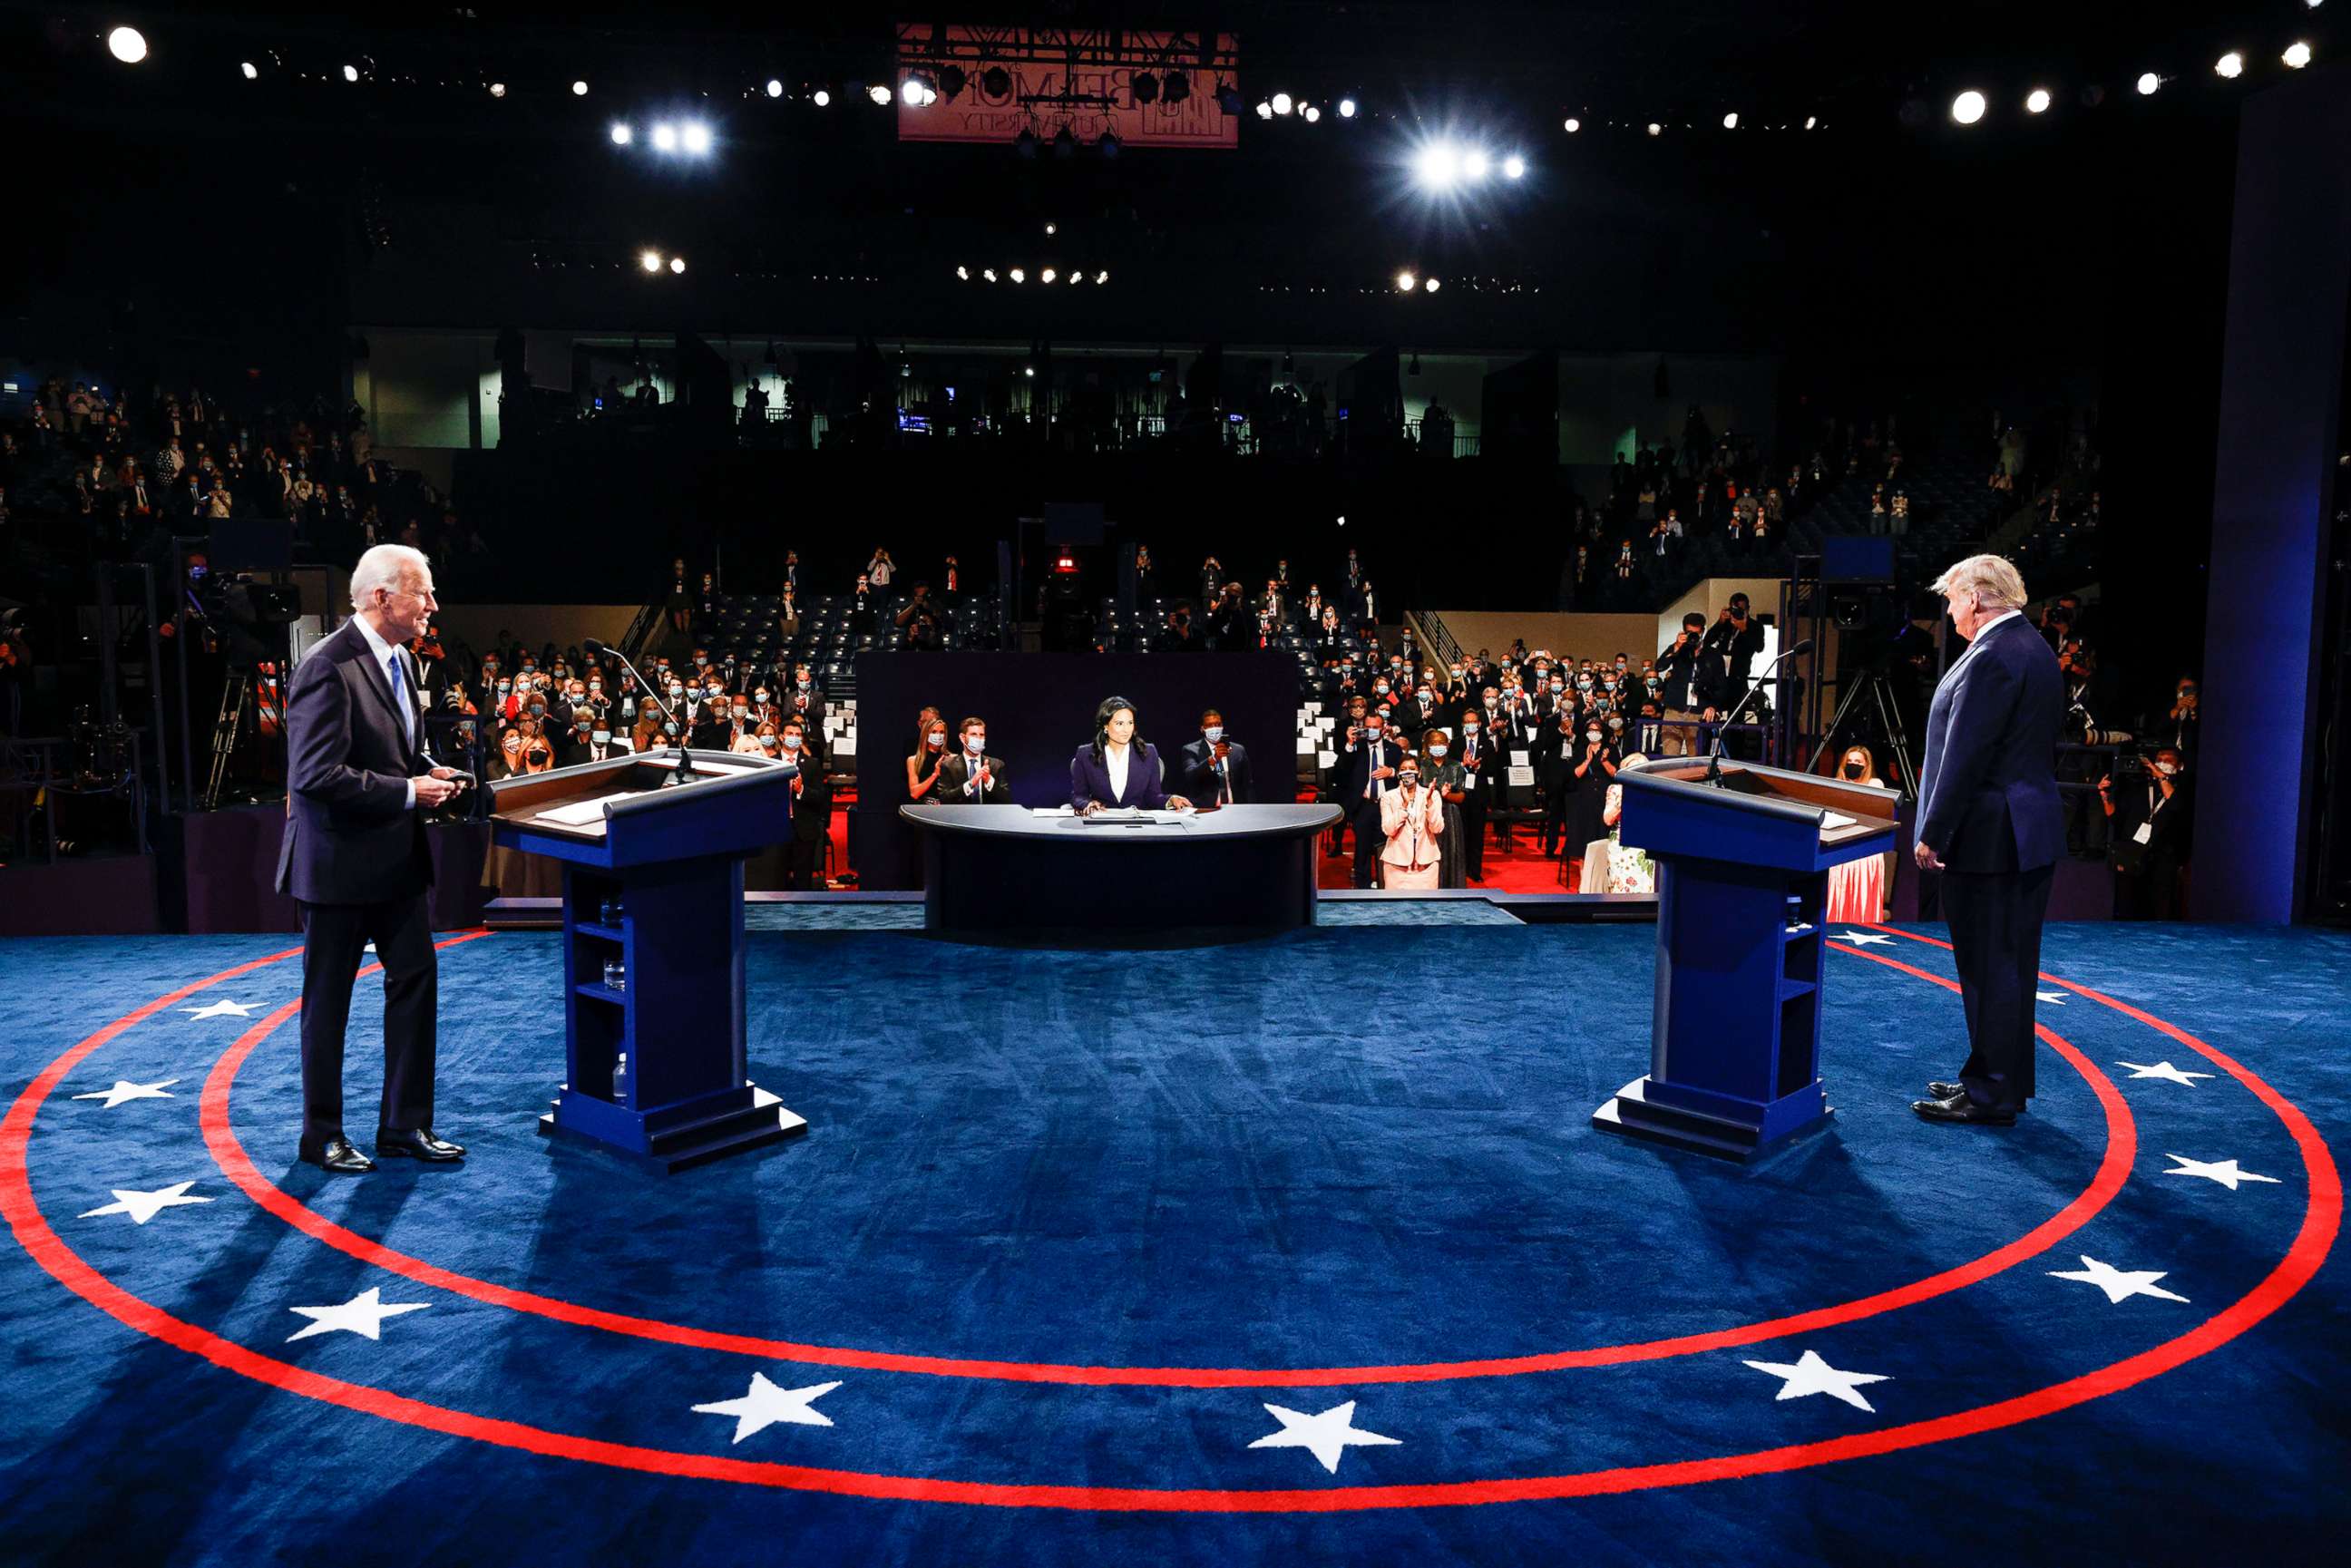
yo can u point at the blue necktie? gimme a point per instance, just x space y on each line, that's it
400 702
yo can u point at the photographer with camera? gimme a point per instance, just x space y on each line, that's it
919 623
2151 815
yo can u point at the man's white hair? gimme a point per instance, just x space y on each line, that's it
1994 582
382 567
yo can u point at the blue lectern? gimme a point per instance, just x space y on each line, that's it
1743 888
653 879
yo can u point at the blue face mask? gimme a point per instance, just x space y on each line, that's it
1215 732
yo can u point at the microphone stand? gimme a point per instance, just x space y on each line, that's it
1714 754
684 773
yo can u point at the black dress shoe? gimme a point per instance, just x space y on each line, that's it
338 1156
1939 1090
1959 1108
418 1144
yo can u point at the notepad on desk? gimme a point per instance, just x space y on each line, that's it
1832 820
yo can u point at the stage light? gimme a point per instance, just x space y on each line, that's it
880 93
1065 143
821 99
497 89
1810 120
1144 86
1025 143
1077 277
1474 165
1431 286
1229 98
664 137
1573 125
952 82
1437 166
1053 228
1969 106
1280 103
696 138
677 264
2147 83
2296 56
989 273
622 135
1108 143
1655 129
2037 101
128 45
1311 114
1018 276
995 81
1048 275
1405 282
918 91
775 88
579 90
1264 110
1027 370
964 273
1731 120
1514 167
1102 277
250 71
350 73
651 261
2230 65
1346 109
1177 89
1343 519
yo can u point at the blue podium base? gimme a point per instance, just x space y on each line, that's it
1727 1130
675 1137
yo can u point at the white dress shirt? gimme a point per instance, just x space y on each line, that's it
1115 759
387 663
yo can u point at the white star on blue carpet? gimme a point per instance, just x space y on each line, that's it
1326 1435
1811 1374
2054 998
123 1093
764 1405
1863 938
2119 1284
2225 1172
220 1010
2163 1069
142 1206
362 1314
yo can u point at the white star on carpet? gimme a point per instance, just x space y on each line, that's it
2225 1172
142 1206
1326 1436
124 1092
764 1405
1863 938
2119 1284
2163 1069
1811 1374
2054 998
362 1314
220 1010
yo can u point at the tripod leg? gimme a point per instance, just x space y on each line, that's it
1847 701
1889 714
224 728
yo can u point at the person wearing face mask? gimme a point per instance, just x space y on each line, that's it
1554 757
971 776
2150 820
1482 774
1858 887
1366 777
573 738
928 757
1441 771
1692 684
2184 725
1412 827
1216 769
603 745
1610 865
797 747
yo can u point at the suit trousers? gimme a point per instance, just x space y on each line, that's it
800 866
1369 839
1995 919
333 938
1473 835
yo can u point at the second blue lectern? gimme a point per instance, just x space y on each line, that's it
1742 890
653 898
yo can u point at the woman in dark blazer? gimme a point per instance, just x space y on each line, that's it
1120 768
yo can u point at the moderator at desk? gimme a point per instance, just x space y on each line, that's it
996 869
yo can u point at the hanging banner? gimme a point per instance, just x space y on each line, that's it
993 83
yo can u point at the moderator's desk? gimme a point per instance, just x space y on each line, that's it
992 869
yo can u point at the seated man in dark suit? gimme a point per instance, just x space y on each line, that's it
354 856
1216 770
971 776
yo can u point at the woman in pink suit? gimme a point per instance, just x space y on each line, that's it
1411 819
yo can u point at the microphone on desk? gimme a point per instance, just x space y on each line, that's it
685 774
1714 754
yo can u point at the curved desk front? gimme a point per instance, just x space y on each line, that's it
999 869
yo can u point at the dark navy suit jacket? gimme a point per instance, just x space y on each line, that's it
1090 780
351 836
1988 796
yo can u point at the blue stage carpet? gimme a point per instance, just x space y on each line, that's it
1073 1234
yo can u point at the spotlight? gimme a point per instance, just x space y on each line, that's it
1514 167
1229 98
1102 277
964 273
821 99
651 261
128 45
2296 56
1264 110
1474 165
1969 106
677 264
350 73
1573 125
622 135
995 81
2147 83
1018 276
2037 101
775 88
1431 286
1053 228
497 89
1438 165
1280 103
579 90
880 93
664 137
1731 120
1405 282
1109 144
1346 109
1026 142
918 90
989 273
952 82
251 73
1655 129
1077 277
1310 114
1027 370
2230 65
696 138
1065 143
1810 120
1177 89
1144 86
1048 276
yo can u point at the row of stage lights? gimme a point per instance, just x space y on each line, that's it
1044 275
